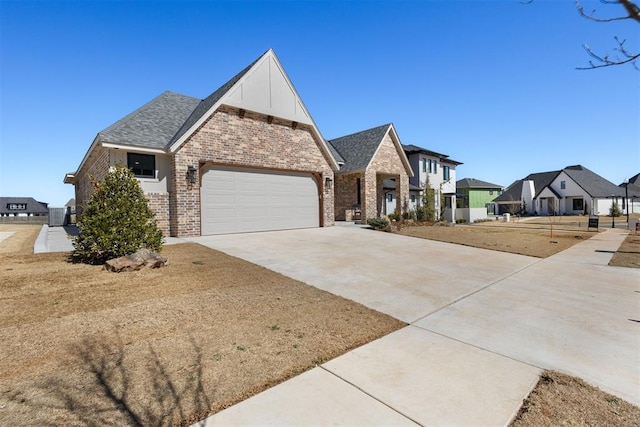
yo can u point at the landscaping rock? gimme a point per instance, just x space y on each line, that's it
134 262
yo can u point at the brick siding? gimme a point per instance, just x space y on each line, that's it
227 139
95 167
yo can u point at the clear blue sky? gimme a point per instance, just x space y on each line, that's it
490 83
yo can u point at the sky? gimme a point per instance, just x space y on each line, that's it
492 84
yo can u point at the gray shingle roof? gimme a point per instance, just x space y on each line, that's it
32 205
334 153
358 149
514 191
154 124
592 183
475 183
210 101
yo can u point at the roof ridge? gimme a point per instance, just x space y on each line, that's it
362 132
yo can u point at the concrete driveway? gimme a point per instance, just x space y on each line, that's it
482 326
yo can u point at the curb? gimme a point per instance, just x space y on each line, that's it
40 244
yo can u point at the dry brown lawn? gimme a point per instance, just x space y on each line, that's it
514 238
562 400
628 254
81 345
84 346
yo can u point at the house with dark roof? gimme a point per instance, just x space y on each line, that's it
369 159
249 157
573 190
631 189
440 172
22 206
475 199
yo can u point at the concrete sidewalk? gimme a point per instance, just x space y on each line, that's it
481 328
60 239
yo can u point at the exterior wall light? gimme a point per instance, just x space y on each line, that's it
328 183
192 178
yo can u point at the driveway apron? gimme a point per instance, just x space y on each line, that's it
482 325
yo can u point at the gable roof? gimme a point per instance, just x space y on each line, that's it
358 149
32 205
592 183
475 183
540 181
154 124
414 149
164 123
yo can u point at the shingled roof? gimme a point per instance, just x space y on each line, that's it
32 206
154 124
358 149
475 183
411 149
592 183
540 181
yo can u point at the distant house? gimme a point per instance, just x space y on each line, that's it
22 206
573 190
441 171
632 189
475 199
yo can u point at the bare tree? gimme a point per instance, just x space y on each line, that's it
623 55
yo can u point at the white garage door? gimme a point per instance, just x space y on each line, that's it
235 200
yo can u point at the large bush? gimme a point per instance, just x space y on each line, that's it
117 220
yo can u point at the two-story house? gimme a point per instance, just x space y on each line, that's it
475 199
440 172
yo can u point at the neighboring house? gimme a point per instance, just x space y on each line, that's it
389 188
631 189
573 190
249 157
22 206
475 199
441 171
368 159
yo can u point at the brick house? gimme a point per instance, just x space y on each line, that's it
249 157
370 161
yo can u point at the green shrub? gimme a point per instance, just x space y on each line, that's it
378 223
615 210
461 221
395 216
117 220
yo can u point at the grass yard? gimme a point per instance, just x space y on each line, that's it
81 345
84 346
534 242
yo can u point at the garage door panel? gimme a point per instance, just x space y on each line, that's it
236 200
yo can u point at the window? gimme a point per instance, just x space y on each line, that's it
491 192
142 165
17 206
389 197
447 202
424 165
358 191
578 204
413 198
445 173
563 185
430 166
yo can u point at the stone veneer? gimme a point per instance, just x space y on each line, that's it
249 141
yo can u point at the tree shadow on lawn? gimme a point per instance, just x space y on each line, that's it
115 387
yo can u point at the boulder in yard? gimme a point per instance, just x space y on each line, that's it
134 262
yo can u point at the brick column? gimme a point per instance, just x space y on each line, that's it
368 195
402 193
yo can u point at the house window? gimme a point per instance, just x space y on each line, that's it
424 165
142 165
563 185
447 202
491 192
413 198
389 197
578 204
17 206
358 191
445 173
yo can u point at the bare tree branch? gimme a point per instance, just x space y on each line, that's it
602 61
